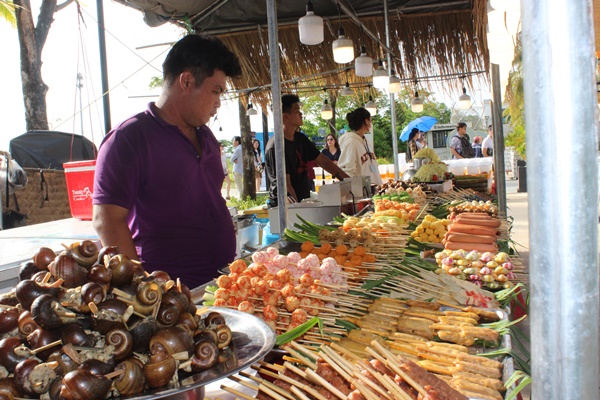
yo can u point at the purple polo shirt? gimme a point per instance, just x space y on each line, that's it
178 218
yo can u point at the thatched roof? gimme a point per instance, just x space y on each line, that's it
430 40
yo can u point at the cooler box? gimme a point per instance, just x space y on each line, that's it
80 184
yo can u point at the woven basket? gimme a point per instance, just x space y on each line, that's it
45 198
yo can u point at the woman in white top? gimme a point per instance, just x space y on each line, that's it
356 158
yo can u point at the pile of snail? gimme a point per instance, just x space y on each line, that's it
90 323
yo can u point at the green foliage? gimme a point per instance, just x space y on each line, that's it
7 12
155 82
515 112
242 205
516 139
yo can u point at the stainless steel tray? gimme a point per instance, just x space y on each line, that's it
252 340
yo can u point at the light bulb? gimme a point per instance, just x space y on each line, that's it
363 65
326 111
381 79
394 84
416 105
310 27
464 100
251 111
347 91
343 49
371 107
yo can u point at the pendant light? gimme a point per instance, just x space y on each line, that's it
343 48
310 27
381 79
363 65
416 105
464 100
346 91
326 111
394 83
371 107
251 111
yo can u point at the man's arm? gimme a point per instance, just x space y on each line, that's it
336 172
486 152
290 188
110 222
455 153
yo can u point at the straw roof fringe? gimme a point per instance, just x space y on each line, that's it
448 44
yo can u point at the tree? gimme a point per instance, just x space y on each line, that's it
32 38
7 12
515 112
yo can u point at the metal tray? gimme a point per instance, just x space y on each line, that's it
252 340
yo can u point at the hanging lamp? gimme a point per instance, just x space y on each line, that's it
394 83
251 111
343 48
346 91
464 100
371 107
363 65
381 79
310 27
326 111
416 105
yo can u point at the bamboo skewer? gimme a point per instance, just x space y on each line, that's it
295 383
237 393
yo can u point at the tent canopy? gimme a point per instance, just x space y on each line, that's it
50 149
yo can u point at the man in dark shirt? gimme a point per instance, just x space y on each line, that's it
299 150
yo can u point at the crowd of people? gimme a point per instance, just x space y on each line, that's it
462 148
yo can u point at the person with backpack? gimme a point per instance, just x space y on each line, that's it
459 144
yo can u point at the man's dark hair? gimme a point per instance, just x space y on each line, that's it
287 101
356 118
237 139
489 128
201 55
460 125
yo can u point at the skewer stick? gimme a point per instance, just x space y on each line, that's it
313 376
272 366
305 350
262 383
46 347
393 365
394 388
370 383
302 359
295 369
237 393
336 367
299 393
114 374
70 351
295 383
367 393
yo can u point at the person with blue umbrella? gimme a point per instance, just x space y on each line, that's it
410 134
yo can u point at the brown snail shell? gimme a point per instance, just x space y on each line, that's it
224 336
147 295
30 379
9 388
65 267
74 334
123 342
99 274
8 358
26 323
9 299
159 369
109 315
204 335
96 367
109 251
84 252
43 257
27 270
9 319
176 298
122 270
188 319
54 391
214 318
41 278
65 363
160 277
141 332
174 339
28 290
41 337
83 385
133 380
168 314
48 313
206 355
93 292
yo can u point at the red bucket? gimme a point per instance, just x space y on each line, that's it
80 185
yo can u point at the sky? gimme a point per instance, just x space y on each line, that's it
72 48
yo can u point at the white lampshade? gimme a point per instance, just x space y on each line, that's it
464 100
251 111
394 84
326 111
343 49
381 78
346 91
371 107
363 65
310 27
505 5
416 105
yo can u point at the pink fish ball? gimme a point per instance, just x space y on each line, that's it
280 261
260 257
272 252
271 267
304 266
294 257
313 260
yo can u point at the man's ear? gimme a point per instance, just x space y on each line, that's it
186 80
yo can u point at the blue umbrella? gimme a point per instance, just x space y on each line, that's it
422 123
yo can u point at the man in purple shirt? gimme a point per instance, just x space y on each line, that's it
158 179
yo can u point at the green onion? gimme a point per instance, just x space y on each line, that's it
347 325
298 331
211 289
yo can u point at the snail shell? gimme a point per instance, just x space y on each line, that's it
176 298
224 336
204 335
84 252
75 334
65 363
34 378
109 251
9 319
27 270
109 315
206 355
214 318
123 342
83 385
8 388
147 295
188 319
65 266
100 275
92 292
43 257
28 290
26 323
122 270
172 340
8 358
96 367
48 313
168 314
133 380
142 331
159 369
41 337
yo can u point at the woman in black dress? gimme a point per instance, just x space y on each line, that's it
332 149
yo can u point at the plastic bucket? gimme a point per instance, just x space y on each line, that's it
79 176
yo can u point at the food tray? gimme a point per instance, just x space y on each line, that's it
252 340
